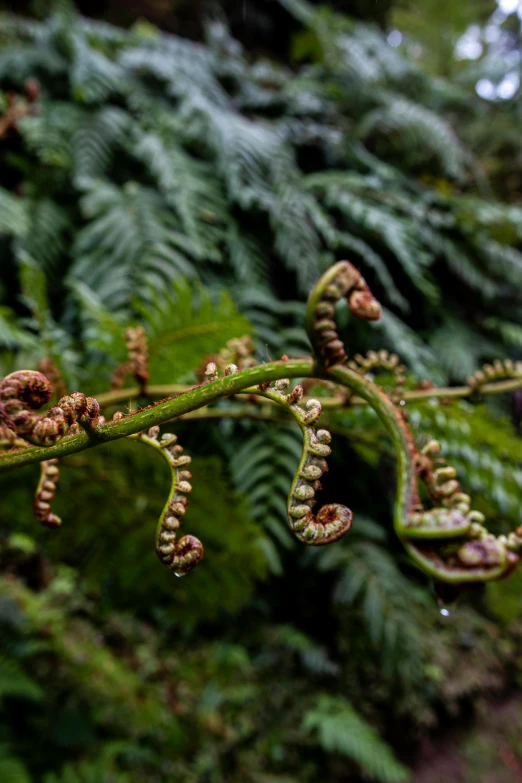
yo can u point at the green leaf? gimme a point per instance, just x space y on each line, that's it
340 729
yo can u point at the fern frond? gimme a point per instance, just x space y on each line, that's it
94 77
262 469
369 577
190 188
96 140
410 347
185 325
14 214
130 242
340 729
49 135
419 133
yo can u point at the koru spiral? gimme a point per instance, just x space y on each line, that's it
448 540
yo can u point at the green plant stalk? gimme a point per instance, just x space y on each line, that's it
414 395
161 412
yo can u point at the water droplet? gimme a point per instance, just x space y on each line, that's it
445 612
402 402
178 575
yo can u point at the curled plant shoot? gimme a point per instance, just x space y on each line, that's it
333 520
184 554
22 393
341 280
137 364
445 538
49 476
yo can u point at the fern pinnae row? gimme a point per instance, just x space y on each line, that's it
138 360
184 554
499 370
49 476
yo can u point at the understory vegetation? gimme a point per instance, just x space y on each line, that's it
198 189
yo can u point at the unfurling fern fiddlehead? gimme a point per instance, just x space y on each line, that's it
49 475
182 555
138 359
333 520
341 280
22 393
449 541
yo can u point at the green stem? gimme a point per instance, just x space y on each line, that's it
197 397
414 395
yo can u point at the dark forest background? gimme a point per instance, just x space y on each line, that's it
193 167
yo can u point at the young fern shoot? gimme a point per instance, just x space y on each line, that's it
182 555
449 540
332 521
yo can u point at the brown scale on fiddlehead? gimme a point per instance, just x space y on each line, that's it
138 359
22 393
390 362
184 554
497 371
341 280
49 476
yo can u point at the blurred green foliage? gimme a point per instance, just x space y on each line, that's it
199 190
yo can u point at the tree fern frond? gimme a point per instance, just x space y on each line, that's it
340 729
485 450
12 335
270 318
247 255
94 77
262 468
45 237
410 347
49 135
459 347
95 140
27 51
103 331
185 325
369 577
14 214
190 188
131 241
419 133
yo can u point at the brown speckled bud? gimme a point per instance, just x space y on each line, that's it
295 395
481 552
365 305
29 387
